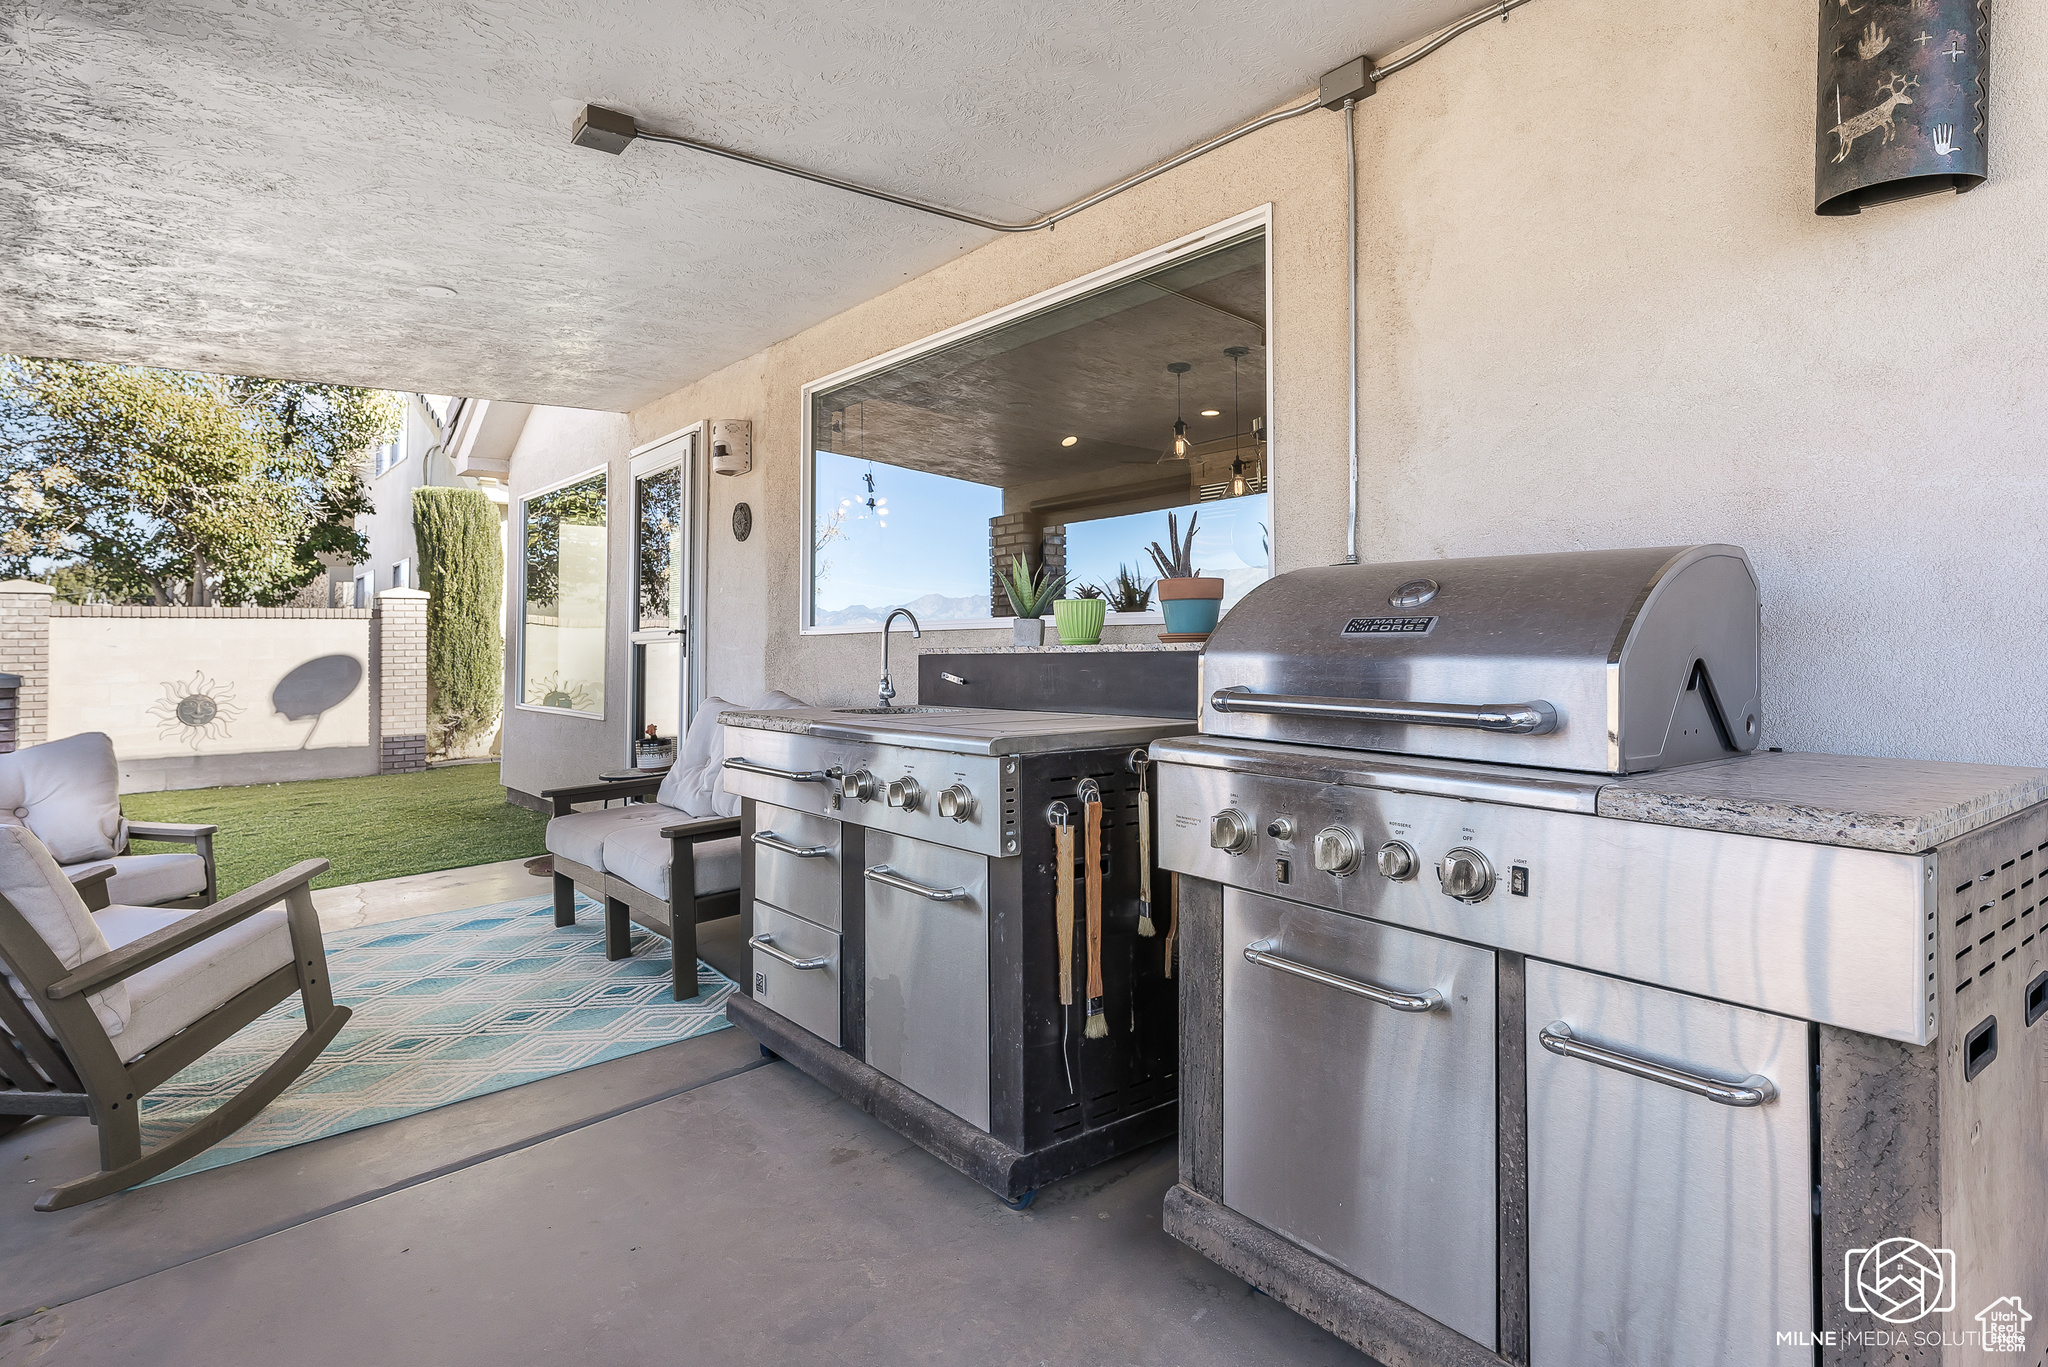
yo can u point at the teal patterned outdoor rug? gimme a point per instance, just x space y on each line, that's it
447 1007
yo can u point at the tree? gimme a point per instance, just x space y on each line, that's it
179 488
462 568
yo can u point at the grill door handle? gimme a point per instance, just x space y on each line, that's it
766 944
776 842
1508 718
889 878
1261 952
747 766
1755 1090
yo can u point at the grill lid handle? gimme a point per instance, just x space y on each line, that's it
1510 718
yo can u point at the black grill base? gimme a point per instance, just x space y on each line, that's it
974 1154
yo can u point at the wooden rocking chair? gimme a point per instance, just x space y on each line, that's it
98 1009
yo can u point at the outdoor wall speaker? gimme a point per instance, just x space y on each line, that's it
1902 99
732 446
603 130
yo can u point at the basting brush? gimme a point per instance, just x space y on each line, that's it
1146 930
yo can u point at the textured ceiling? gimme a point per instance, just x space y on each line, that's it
254 186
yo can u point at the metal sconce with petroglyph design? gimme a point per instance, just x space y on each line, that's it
1902 101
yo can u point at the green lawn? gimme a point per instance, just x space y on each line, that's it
368 828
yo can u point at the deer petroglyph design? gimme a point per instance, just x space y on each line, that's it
1891 95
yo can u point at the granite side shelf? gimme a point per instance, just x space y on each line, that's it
1900 806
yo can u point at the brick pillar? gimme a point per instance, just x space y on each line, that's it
398 680
25 651
1009 536
1052 551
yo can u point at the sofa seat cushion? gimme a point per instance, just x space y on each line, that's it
168 996
150 880
580 836
640 855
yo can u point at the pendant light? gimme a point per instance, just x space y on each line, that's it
1238 486
1179 449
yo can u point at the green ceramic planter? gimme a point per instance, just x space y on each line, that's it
1080 620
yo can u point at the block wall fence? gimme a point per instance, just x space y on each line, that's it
195 697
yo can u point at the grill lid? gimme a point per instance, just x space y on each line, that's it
1600 661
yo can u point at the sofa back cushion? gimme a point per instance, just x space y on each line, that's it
697 782
69 793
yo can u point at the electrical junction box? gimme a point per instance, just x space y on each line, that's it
732 446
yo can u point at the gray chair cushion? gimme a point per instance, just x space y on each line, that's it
580 836
640 855
168 996
69 793
697 782
149 880
34 886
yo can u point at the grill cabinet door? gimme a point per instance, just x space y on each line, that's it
796 862
1364 1133
1664 1226
927 974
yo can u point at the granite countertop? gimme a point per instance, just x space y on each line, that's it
964 730
1904 806
1126 648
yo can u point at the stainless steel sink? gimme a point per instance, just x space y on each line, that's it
895 711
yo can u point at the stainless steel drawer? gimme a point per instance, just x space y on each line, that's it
927 971
796 970
796 862
1664 1225
1363 1128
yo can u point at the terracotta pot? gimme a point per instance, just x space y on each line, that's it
1191 606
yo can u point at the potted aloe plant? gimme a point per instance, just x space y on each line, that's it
1191 603
1080 618
1031 596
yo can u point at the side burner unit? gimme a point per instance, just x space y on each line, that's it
901 877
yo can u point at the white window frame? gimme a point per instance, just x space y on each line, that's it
1260 219
401 574
366 589
679 448
520 538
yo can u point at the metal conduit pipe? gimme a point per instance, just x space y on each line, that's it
609 130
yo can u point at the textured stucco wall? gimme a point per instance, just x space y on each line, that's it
553 749
1598 311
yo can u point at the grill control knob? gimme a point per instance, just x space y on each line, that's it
858 784
1230 831
1397 860
906 792
1466 874
1337 851
956 803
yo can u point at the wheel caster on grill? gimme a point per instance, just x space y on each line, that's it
769 1054
1022 1201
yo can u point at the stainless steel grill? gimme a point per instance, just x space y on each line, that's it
1605 661
1522 1000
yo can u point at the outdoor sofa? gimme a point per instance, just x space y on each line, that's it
666 864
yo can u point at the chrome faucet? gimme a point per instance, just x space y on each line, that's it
888 690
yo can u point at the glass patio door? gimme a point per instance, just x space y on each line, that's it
661 591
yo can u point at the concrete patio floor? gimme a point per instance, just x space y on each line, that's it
692 1204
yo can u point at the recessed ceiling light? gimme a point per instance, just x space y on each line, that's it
1068 441
433 291
1212 412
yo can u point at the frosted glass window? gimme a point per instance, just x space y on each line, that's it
562 641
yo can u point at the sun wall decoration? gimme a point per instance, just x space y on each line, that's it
571 695
195 711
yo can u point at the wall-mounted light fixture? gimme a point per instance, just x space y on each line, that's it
1901 101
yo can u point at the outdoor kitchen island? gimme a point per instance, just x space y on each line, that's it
1647 1057
909 916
